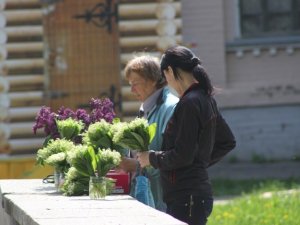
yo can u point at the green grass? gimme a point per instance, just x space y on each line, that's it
254 209
250 207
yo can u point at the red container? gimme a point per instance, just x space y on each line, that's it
122 182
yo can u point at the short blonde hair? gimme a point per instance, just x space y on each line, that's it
147 67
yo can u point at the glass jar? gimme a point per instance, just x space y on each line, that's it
59 178
97 187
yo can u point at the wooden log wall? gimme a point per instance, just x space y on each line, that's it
21 74
145 27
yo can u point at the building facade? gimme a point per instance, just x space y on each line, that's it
50 50
251 49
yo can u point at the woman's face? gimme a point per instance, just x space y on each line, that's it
172 82
141 87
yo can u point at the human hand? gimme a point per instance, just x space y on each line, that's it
143 158
127 164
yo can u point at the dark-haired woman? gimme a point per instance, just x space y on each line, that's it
196 137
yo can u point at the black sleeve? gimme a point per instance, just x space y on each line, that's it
187 128
224 141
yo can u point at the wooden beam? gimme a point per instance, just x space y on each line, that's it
28 47
20 129
18 80
143 9
23 15
19 97
18 113
13 64
138 41
23 3
125 57
144 41
24 31
32 144
144 25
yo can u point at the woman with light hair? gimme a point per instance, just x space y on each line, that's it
157 104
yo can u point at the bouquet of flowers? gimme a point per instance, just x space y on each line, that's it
87 164
64 130
85 146
49 121
55 154
98 135
135 135
75 183
69 128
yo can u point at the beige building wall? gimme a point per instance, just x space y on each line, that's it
203 31
259 79
259 72
249 73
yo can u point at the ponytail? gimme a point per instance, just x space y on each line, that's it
202 77
183 58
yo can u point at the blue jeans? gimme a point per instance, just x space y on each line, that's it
193 210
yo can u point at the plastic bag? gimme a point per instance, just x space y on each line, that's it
143 191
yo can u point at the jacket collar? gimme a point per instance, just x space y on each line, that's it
192 87
159 101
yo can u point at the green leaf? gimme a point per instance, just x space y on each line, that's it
46 141
104 142
94 159
140 141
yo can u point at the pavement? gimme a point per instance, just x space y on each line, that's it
248 170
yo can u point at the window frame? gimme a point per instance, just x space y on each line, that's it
265 14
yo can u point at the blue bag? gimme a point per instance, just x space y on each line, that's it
143 191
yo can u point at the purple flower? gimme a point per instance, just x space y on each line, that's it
45 119
102 109
82 115
65 113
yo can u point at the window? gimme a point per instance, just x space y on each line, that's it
269 17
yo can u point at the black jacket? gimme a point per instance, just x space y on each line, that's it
196 137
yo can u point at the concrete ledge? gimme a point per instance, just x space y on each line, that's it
30 202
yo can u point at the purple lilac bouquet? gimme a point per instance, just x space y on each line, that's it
46 119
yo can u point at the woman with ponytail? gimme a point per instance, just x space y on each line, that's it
195 138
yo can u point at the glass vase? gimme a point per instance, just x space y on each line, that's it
59 178
97 187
